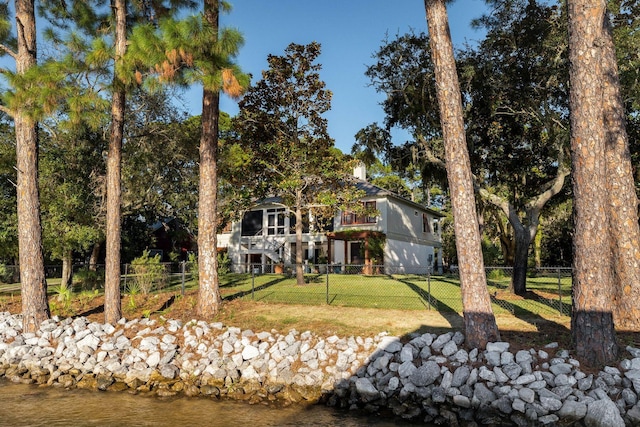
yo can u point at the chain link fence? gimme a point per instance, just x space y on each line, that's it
401 287
366 286
134 279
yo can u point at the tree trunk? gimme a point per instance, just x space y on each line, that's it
520 260
537 249
623 201
35 306
524 234
479 321
112 301
507 243
93 260
299 228
67 269
209 299
592 322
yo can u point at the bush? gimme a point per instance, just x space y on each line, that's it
88 279
5 274
148 271
192 266
496 274
224 265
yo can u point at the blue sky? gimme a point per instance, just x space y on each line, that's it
350 31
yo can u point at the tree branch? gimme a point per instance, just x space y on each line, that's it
6 49
5 110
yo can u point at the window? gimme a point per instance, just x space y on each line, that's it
252 223
275 221
426 225
349 218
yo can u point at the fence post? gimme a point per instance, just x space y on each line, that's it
560 292
253 281
182 266
327 280
429 287
125 276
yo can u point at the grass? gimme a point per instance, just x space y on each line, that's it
397 292
548 295
358 305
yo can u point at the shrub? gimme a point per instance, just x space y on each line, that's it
224 265
192 266
496 274
148 271
5 274
88 279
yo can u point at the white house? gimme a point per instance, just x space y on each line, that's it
265 238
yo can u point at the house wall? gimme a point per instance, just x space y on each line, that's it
405 222
407 257
267 249
380 225
407 245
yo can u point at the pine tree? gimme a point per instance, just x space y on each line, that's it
592 322
479 321
18 105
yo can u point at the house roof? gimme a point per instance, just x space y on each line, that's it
372 190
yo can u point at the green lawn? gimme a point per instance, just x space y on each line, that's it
407 292
549 295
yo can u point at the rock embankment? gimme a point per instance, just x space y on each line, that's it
429 378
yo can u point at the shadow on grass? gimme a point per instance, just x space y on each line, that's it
430 301
497 284
529 316
533 299
563 308
235 280
241 294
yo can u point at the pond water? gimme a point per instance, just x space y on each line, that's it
30 405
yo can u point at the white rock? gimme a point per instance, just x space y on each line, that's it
250 352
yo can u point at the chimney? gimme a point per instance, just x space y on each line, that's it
360 172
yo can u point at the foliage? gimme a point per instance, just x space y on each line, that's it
490 252
5 274
148 271
8 179
192 266
70 163
557 236
88 279
495 274
63 296
160 160
400 170
224 263
516 84
187 51
376 244
292 155
515 94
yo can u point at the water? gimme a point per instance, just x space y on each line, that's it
29 405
